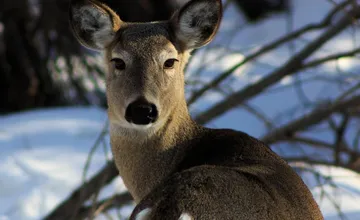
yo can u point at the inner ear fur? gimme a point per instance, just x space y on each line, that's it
94 24
197 22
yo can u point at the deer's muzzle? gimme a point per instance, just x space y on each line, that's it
141 112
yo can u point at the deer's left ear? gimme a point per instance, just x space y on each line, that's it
197 22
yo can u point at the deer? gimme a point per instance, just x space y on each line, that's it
173 167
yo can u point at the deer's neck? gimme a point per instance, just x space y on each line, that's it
144 160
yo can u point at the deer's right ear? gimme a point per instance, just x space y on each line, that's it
197 22
93 23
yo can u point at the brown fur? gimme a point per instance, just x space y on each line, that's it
224 174
176 166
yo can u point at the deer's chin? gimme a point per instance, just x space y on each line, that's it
125 127
142 128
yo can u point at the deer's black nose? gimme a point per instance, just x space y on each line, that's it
141 112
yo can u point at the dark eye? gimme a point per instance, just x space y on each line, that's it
118 63
169 64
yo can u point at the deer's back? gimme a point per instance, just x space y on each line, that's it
230 175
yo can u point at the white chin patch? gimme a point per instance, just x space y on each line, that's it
141 127
152 127
144 214
186 216
131 126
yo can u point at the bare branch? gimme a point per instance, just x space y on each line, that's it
308 120
104 205
66 209
309 141
322 144
289 68
340 131
330 58
311 161
214 83
259 115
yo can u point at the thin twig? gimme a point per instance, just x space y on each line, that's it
93 148
348 92
321 144
330 58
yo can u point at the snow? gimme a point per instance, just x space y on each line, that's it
339 191
43 153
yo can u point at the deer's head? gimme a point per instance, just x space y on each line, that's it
145 80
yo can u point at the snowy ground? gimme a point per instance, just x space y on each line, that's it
43 154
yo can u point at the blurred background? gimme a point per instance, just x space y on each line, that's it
283 71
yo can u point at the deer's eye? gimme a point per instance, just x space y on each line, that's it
169 64
118 63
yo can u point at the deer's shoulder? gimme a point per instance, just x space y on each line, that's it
226 147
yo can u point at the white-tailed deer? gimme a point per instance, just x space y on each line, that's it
173 167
